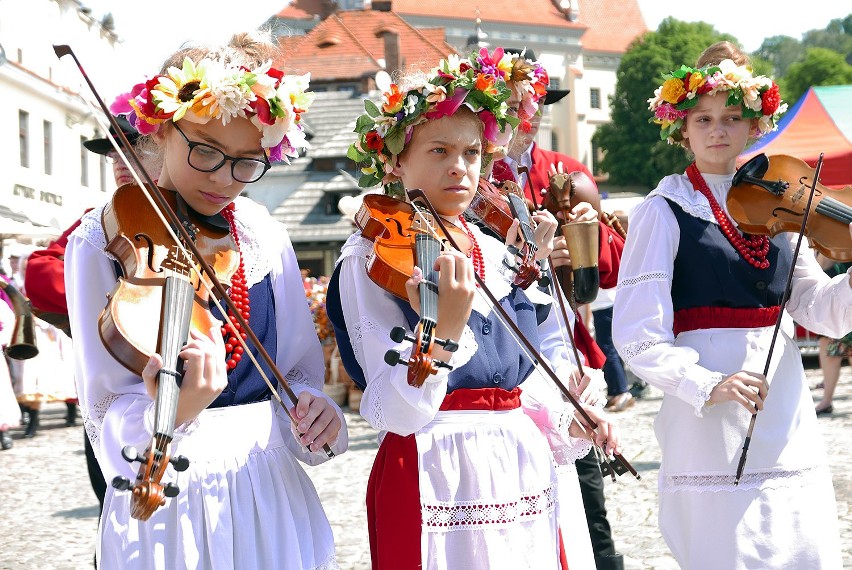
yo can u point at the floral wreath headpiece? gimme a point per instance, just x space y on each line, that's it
483 83
682 88
212 89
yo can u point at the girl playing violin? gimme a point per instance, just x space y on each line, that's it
219 117
463 477
696 306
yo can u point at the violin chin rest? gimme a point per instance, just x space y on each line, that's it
756 167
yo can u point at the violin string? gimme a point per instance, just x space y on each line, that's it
193 267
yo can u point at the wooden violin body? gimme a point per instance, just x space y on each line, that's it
140 242
769 195
498 208
391 225
404 239
152 309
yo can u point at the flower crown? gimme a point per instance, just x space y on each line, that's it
681 89
484 84
212 89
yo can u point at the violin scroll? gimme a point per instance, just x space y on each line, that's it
148 493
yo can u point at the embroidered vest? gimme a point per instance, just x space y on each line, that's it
709 272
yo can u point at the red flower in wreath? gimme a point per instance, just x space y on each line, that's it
374 141
770 100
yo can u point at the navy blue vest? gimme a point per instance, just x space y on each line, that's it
245 384
498 363
709 272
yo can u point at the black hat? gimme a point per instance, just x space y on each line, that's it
103 146
553 95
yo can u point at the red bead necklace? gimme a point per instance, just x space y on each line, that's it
476 252
753 249
239 295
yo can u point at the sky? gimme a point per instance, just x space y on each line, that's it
180 20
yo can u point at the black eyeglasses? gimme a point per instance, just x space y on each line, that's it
206 158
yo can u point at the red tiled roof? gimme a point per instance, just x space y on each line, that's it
531 12
611 28
301 9
349 45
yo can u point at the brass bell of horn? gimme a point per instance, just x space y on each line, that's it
23 343
583 245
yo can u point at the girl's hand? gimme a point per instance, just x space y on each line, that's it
583 212
560 256
746 388
456 288
205 373
605 436
317 419
588 389
544 225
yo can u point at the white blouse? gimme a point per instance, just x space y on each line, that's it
114 403
389 403
643 307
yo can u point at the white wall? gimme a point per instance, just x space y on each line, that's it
48 89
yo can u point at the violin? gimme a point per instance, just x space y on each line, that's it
171 262
158 280
769 195
403 239
498 208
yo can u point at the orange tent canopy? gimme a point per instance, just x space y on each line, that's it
820 122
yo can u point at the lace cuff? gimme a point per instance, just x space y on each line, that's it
695 389
642 278
634 349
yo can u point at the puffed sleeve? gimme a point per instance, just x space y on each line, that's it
389 403
644 311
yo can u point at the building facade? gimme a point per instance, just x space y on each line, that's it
49 177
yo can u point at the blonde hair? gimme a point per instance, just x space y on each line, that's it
719 51
249 49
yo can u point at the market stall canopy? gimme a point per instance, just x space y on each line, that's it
821 121
17 225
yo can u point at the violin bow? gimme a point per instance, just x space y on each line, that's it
555 287
184 240
784 298
525 343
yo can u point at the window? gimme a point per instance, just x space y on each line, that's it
84 163
24 137
48 147
596 160
595 98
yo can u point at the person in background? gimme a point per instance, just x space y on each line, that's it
45 279
10 412
832 351
541 165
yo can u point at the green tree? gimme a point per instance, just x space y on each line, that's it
634 153
781 52
820 66
837 36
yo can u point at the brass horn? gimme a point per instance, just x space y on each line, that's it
23 343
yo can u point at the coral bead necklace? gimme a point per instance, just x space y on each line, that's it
753 249
239 295
476 252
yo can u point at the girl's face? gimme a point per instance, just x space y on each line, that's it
716 133
444 158
207 192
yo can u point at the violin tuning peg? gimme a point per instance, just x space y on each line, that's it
392 357
397 334
179 462
440 364
509 266
130 454
449 345
171 490
513 250
544 282
121 483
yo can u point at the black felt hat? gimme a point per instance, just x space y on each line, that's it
103 146
553 95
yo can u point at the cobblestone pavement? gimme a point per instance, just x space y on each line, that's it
48 513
